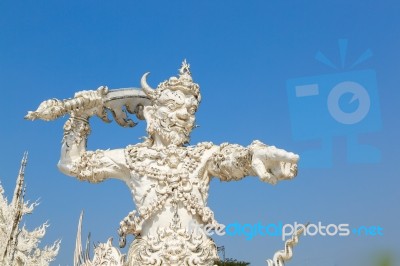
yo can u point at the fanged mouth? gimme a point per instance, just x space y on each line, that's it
170 126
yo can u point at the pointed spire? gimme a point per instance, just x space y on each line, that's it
17 244
17 204
81 257
19 187
78 243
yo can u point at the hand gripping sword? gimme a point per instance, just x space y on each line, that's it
117 101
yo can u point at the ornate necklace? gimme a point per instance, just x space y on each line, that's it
167 164
171 167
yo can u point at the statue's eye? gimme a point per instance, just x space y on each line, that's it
192 110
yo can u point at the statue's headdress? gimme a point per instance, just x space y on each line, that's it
183 83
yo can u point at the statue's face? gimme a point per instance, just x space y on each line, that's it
173 117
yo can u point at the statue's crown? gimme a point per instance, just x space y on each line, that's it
183 83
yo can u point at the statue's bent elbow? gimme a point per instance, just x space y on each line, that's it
65 168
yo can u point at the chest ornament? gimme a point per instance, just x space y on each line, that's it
172 168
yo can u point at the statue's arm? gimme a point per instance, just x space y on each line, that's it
92 166
231 162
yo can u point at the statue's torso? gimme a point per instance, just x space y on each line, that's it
170 189
170 180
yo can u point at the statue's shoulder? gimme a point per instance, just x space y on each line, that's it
201 149
134 153
206 145
134 146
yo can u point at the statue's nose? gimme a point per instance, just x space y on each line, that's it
182 114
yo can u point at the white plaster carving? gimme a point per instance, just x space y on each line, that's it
169 181
18 246
282 256
104 253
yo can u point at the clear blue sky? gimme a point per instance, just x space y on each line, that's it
243 54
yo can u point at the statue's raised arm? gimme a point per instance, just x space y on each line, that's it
75 160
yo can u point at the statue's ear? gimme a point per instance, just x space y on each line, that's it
148 111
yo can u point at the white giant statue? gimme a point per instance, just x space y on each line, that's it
169 180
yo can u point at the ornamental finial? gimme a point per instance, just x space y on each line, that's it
184 71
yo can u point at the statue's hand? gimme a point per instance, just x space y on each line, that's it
83 105
90 103
272 164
